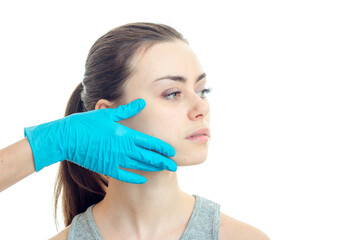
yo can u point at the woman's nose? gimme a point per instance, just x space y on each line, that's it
199 108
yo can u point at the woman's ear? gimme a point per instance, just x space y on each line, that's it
103 103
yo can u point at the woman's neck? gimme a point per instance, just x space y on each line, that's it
146 210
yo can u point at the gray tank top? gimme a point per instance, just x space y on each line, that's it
204 223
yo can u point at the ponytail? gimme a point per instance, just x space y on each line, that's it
75 104
79 186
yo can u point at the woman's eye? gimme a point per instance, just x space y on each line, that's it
179 93
173 94
205 91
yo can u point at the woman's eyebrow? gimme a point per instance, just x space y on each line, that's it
179 78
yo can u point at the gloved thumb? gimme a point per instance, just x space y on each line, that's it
126 111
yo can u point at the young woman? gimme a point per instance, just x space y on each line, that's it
152 62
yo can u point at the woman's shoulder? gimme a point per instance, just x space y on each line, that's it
63 235
231 228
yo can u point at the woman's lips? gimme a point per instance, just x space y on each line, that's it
200 135
199 138
200 131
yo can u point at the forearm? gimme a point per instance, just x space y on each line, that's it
16 163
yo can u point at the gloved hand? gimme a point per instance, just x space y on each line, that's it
96 141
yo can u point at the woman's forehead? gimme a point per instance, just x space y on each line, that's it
169 58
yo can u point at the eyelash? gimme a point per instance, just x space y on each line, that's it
206 90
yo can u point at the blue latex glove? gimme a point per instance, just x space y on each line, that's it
96 141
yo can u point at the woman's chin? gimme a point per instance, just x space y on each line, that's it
188 161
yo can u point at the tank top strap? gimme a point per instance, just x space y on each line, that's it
204 222
83 227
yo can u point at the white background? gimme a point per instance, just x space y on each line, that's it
284 154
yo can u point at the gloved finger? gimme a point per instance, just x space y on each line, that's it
125 176
152 158
153 143
126 111
137 165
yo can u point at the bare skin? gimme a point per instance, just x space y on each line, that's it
16 163
230 229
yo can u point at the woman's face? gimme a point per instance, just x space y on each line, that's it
170 118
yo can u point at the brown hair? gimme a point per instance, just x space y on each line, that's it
107 67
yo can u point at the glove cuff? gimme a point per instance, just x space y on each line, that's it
43 141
